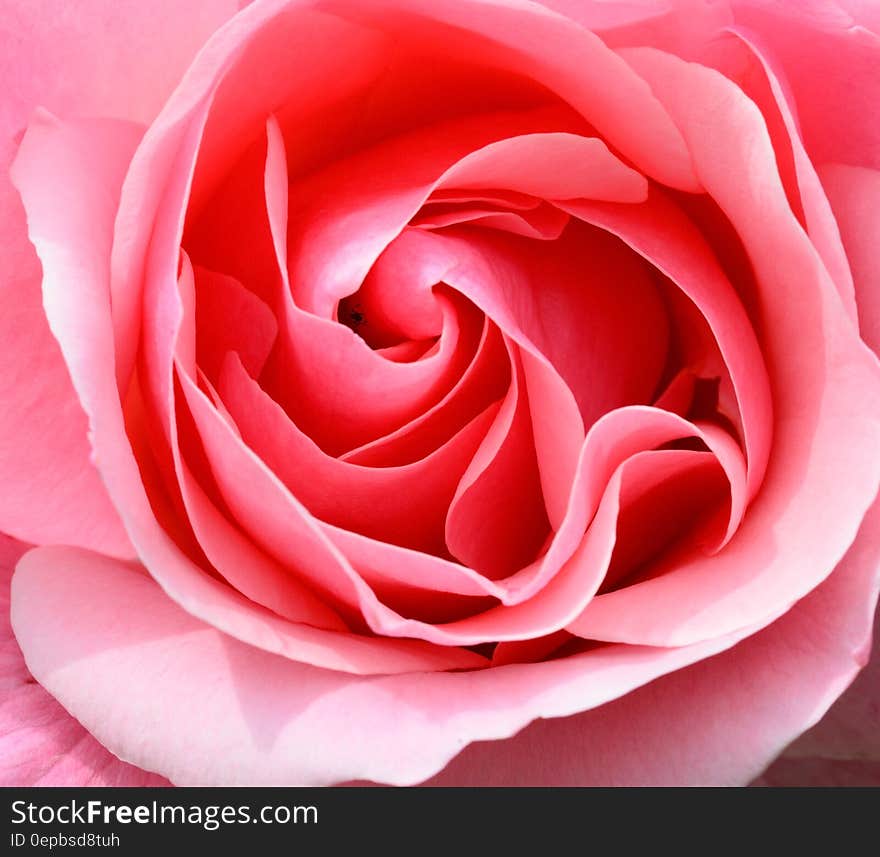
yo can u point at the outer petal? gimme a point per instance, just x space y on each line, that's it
51 490
849 732
832 63
40 743
717 722
203 708
49 55
854 194
46 453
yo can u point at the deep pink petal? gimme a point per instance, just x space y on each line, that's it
321 366
496 522
484 381
230 318
405 505
660 232
567 59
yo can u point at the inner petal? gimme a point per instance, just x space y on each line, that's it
497 521
403 505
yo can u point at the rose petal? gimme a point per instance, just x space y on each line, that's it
567 59
347 214
826 386
718 722
833 67
484 381
202 708
854 194
549 166
405 505
320 366
496 522
52 491
83 326
151 213
40 743
664 236
544 222
849 730
230 318
818 216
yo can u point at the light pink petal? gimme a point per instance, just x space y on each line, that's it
848 732
680 26
833 67
863 13
544 222
50 57
549 166
818 217
52 492
385 565
718 722
854 193
43 745
200 707
40 743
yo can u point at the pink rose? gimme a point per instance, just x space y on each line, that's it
379 379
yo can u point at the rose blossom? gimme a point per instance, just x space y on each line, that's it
415 372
